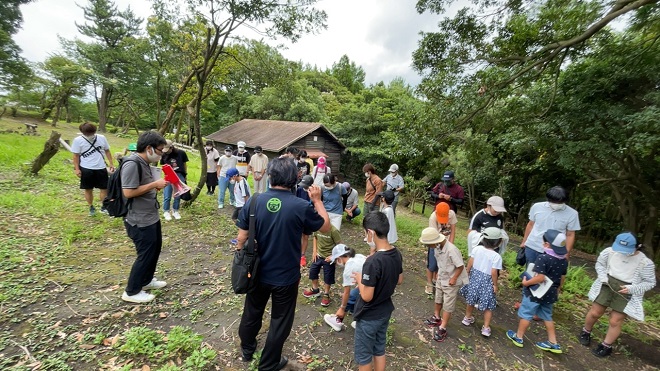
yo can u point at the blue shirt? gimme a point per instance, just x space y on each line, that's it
332 200
281 220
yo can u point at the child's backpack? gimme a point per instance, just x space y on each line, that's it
115 202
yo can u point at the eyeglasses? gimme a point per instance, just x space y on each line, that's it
160 150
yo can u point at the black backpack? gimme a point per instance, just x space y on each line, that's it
115 202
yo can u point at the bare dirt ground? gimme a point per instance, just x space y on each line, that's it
73 312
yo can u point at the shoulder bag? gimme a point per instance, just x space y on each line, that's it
245 266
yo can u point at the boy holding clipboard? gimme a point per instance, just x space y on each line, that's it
541 287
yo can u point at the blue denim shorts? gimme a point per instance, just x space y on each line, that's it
432 262
328 271
370 337
529 308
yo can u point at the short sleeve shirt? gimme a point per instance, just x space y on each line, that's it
326 241
553 268
91 157
485 259
143 210
482 220
380 271
176 160
449 258
353 265
352 199
241 190
212 157
392 235
281 220
393 182
225 163
243 161
332 199
545 218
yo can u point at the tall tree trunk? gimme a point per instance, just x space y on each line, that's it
158 99
178 126
56 117
104 107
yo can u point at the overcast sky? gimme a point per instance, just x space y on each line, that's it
379 35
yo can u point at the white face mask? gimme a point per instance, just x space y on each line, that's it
366 175
232 181
372 244
228 153
557 207
153 157
241 150
208 148
330 188
90 137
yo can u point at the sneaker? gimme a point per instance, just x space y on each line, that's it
303 261
312 293
485 331
440 334
167 216
333 321
515 339
602 350
154 284
585 338
176 215
221 206
140 298
428 290
232 203
467 321
92 211
354 324
433 321
326 300
548 346
104 211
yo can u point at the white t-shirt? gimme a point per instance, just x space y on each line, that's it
318 175
485 259
226 163
241 190
545 218
353 264
623 267
91 158
211 160
392 236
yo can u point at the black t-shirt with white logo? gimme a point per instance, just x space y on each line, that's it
482 220
380 271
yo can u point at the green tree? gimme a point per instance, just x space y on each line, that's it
13 68
111 54
67 79
348 74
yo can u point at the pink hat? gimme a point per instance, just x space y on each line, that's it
321 161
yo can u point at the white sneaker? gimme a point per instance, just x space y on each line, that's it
140 298
167 216
176 215
354 324
220 206
333 321
154 284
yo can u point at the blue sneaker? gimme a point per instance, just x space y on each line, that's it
548 346
515 339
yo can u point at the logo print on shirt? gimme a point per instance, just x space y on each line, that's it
365 277
274 205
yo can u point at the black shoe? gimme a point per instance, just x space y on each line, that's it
585 338
282 363
440 335
602 351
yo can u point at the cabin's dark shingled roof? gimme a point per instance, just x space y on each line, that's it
271 135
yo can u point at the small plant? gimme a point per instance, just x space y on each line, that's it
182 340
141 341
200 359
441 362
466 348
195 314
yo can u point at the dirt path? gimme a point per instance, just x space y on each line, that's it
78 304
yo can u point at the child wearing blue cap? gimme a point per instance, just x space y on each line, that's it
552 265
624 275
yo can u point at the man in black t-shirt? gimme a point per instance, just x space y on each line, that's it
281 219
381 273
178 160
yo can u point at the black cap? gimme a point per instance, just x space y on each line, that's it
388 195
258 149
229 148
306 181
448 175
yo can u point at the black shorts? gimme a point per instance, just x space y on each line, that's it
211 179
234 215
90 179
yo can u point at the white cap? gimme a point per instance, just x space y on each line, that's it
240 144
338 251
394 168
497 203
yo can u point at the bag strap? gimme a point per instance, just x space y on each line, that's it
252 228
91 145
372 184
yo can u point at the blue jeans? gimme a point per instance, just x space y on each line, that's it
531 255
352 299
167 196
370 337
356 212
224 183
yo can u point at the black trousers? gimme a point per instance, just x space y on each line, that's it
281 321
148 243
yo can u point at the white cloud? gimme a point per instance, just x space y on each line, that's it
378 35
